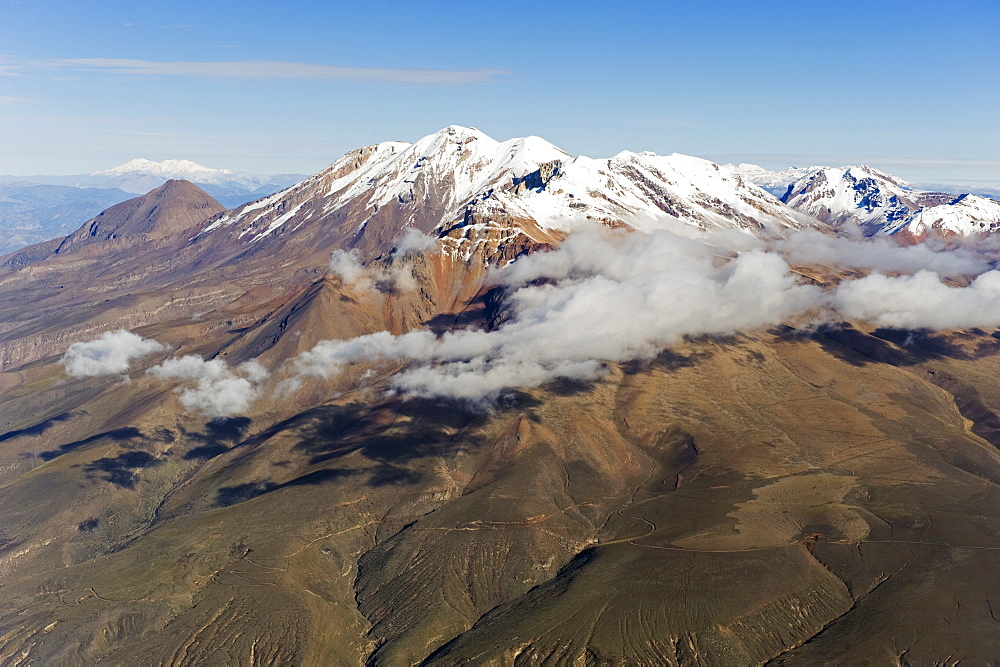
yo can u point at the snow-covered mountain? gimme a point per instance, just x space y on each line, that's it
775 182
496 199
964 215
879 203
980 188
141 175
167 168
461 184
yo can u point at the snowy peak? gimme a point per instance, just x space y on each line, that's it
180 169
857 195
231 187
463 184
964 215
775 182
649 191
879 203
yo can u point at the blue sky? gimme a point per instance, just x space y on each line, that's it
910 87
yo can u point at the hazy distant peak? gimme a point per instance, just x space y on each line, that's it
772 181
167 168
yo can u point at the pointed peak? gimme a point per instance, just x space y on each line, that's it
177 187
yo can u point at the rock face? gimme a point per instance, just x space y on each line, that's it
801 497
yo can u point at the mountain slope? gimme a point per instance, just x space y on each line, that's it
168 209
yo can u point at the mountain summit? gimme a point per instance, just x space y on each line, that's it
461 184
879 203
140 175
174 206
168 168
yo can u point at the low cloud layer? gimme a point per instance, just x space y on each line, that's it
220 391
920 301
607 297
601 297
810 246
111 354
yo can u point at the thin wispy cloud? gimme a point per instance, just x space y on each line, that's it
264 69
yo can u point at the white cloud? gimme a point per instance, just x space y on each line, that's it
602 297
220 391
606 297
809 246
920 301
110 354
413 241
396 274
346 265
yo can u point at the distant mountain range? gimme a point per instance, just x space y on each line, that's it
777 182
38 208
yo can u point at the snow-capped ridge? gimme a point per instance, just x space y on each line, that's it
882 204
185 169
460 174
140 175
775 182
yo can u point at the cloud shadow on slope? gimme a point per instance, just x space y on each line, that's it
392 436
219 437
122 470
39 428
895 347
117 435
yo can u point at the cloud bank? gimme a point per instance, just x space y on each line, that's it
601 297
111 354
604 298
920 301
612 297
810 246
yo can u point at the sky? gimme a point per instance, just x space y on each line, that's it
912 88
